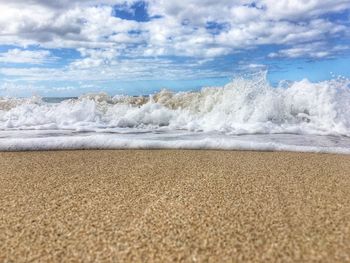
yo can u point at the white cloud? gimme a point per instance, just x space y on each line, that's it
26 56
94 58
199 30
301 9
314 50
127 69
199 11
14 89
79 26
255 66
181 30
246 26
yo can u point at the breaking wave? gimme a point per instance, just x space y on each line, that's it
244 106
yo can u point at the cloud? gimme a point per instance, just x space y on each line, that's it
94 58
177 40
252 66
180 28
13 89
26 56
315 50
123 69
79 26
301 9
199 12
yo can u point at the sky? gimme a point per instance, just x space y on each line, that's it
70 47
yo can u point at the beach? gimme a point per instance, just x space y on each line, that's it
174 205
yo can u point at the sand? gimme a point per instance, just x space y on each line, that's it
165 205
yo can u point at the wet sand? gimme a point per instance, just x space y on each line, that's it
172 205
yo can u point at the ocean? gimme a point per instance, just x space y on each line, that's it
245 114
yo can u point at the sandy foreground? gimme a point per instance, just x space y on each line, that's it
172 205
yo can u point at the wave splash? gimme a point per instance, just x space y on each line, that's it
244 106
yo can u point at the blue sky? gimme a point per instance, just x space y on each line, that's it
70 47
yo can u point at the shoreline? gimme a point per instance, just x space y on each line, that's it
161 205
169 149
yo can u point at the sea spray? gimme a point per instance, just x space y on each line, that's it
245 105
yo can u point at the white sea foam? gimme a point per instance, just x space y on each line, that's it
108 141
244 106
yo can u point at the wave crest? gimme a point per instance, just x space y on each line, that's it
245 105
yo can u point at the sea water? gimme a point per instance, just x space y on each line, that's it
246 114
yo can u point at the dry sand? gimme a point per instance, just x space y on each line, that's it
160 205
